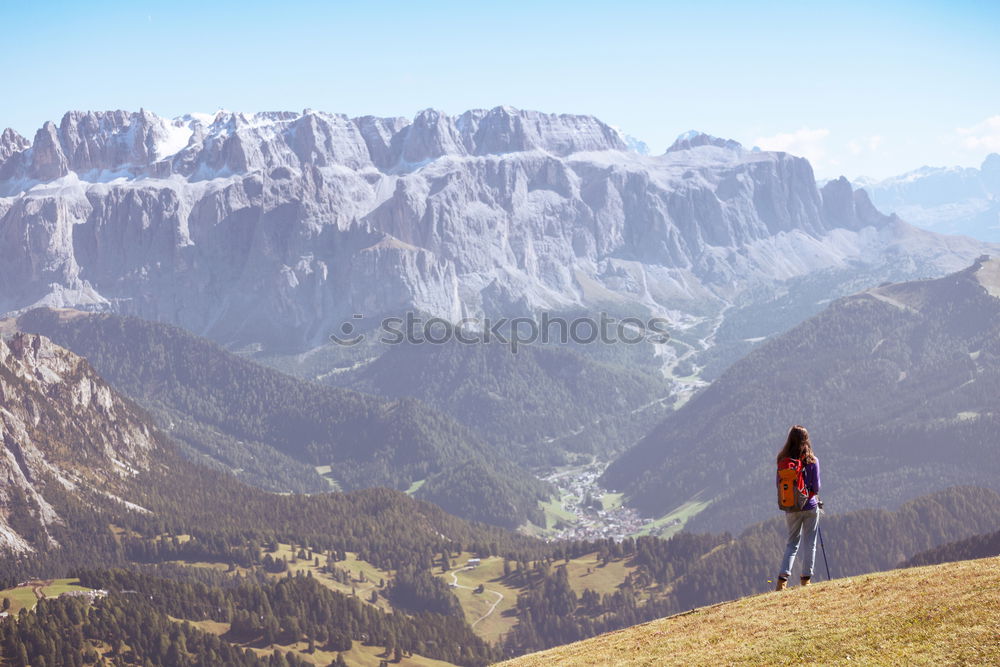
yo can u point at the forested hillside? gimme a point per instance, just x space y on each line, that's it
92 483
543 403
273 430
143 620
897 386
977 546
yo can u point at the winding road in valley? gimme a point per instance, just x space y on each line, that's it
493 607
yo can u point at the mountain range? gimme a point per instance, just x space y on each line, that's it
285 434
270 229
266 232
897 385
87 470
952 200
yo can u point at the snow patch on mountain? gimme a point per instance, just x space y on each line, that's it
177 134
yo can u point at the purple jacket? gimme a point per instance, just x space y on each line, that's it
811 475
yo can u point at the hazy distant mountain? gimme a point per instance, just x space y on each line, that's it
636 145
273 430
953 200
897 385
541 405
274 227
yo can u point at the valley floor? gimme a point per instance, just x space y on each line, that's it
942 614
584 510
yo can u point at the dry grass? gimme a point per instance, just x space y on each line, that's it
587 572
939 615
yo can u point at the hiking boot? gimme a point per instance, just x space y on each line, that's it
805 581
782 584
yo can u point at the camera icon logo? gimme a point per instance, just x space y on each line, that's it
346 336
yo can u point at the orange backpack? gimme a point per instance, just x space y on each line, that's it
792 494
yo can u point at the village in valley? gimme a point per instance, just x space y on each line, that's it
587 511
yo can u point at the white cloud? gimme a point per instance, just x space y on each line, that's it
809 143
984 136
865 144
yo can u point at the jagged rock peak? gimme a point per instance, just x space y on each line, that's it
505 129
228 142
431 135
694 139
843 206
12 142
48 161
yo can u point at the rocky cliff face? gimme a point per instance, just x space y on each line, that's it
60 426
275 227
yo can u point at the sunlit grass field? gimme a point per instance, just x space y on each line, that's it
939 615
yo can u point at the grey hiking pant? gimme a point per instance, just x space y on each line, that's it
802 530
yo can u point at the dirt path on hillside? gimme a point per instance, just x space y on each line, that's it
37 586
493 607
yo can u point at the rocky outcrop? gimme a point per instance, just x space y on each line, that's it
60 425
10 143
274 227
849 208
694 139
48 161
508 130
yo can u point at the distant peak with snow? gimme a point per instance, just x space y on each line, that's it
632 143
201 145
954 200
694 139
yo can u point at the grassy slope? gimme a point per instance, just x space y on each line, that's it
477 605
673 522
942 614
23 597
584 572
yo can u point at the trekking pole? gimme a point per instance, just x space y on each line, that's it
819 530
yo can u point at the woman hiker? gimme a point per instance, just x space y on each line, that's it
797 462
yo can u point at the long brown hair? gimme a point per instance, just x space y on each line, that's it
798 446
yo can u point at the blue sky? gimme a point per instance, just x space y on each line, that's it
872 88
